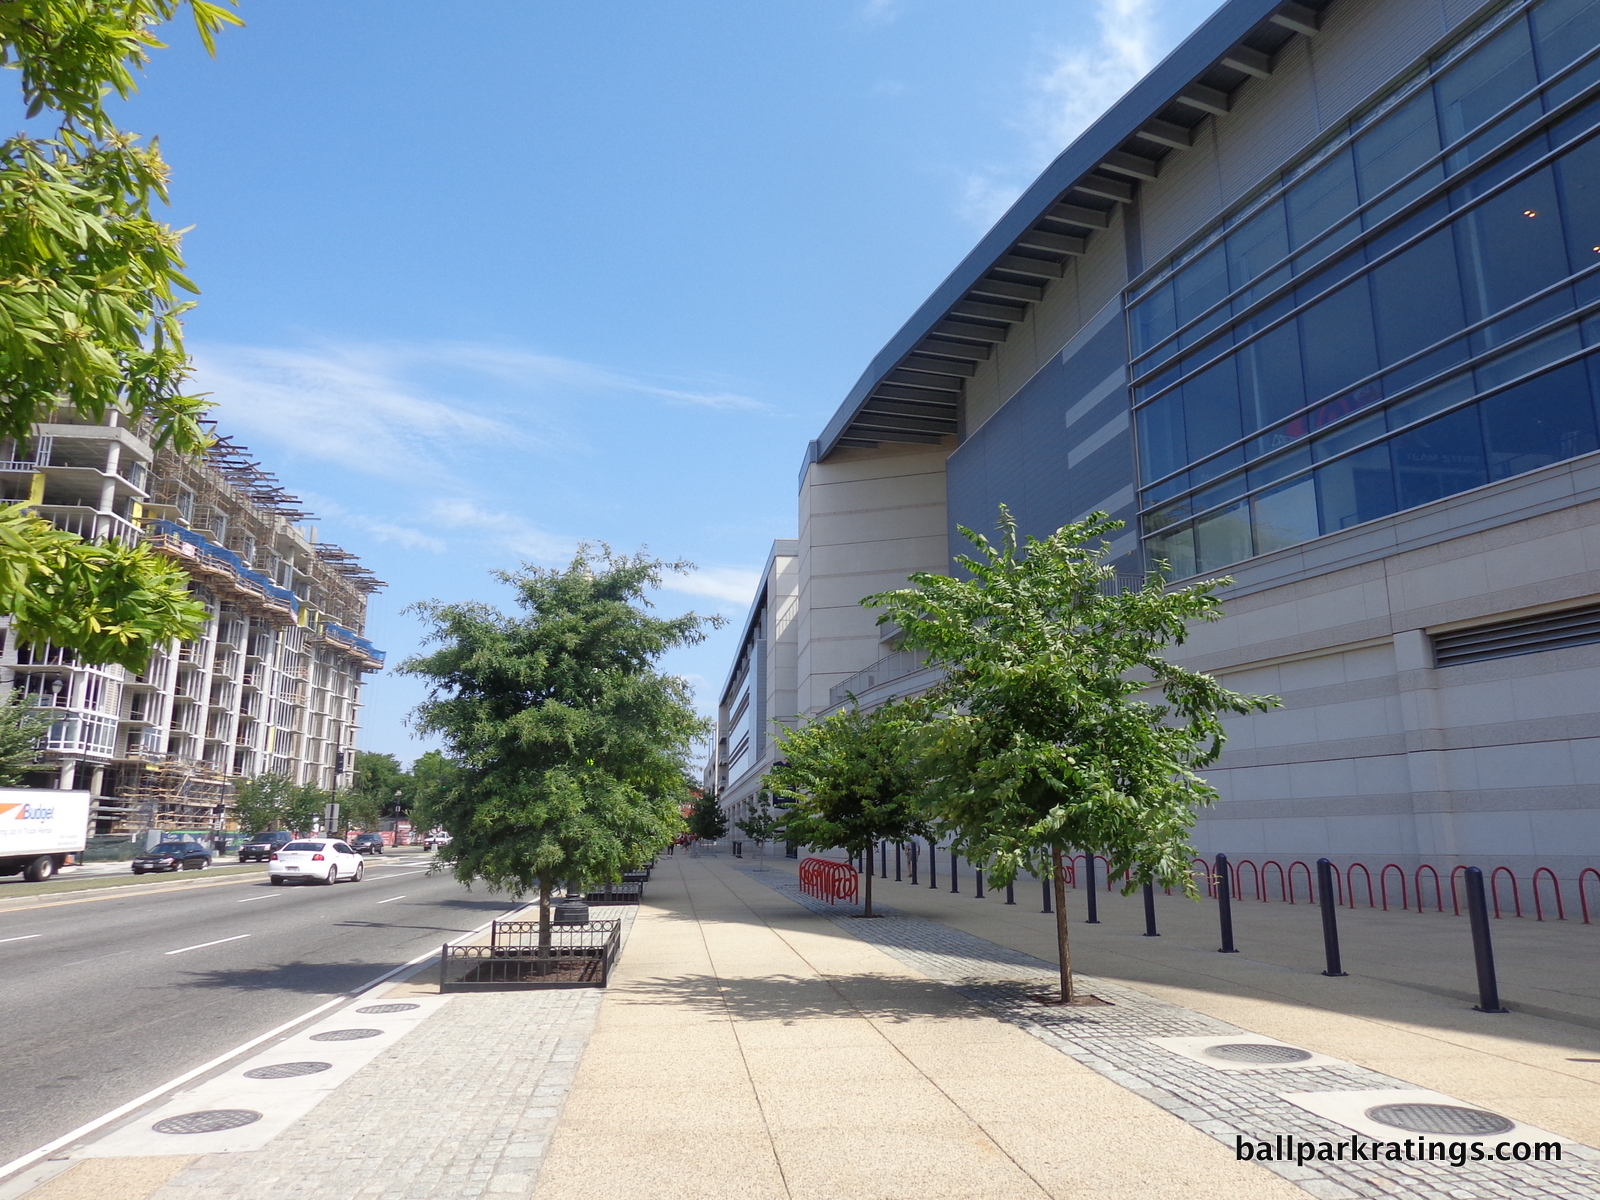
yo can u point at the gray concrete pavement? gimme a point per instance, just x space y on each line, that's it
108 995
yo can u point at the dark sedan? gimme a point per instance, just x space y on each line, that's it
367 843
259 846
173 856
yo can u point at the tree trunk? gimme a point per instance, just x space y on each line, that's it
544 925
1063 950
866 910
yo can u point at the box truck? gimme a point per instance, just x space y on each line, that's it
39 828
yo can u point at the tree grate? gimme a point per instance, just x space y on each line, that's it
375 1009
1256 1052
1440 1119
287 1070
345 1035
213 1120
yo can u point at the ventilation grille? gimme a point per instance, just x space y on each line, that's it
1525 635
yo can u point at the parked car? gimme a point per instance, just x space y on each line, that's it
315 860
258 847
173 856
367 843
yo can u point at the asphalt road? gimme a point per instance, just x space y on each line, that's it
104 997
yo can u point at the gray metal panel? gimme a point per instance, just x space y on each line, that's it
1144 101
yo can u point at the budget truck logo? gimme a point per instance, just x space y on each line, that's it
25 812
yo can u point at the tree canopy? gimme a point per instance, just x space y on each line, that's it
1060 723
855 779
571 744
21 727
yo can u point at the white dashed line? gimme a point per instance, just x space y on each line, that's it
391 899
23 938
203 945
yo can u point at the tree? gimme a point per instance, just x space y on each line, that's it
707 821
571 745
855 780
432 777
1060 723
379 784
89 311
760 824
262 803
21 727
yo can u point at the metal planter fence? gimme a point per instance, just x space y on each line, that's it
577 956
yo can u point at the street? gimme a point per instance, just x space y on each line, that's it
106 995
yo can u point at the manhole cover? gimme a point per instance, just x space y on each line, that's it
287 1070
387 1008
212 1120
345 1035
1440 1118
1256 1052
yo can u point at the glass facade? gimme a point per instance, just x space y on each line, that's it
1411 310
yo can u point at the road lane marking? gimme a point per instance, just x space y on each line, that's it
23 938
203 945
268 896
122 1110
390 900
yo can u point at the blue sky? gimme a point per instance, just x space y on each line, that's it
481 281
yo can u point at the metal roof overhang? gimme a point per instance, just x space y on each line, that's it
912 390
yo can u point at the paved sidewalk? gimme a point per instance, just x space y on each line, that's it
755 1043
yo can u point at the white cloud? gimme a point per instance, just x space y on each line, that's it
736 585
881 12
1084 81
507 531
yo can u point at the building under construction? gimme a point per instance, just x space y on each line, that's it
274 682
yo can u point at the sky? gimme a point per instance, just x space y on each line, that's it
482 282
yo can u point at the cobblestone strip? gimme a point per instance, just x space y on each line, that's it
462 1107
1115 1042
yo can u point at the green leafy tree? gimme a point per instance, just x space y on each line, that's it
855 779
707 821
379 784
262 804
306 807
433 775
571 744
760 823
1061 723
21 727
90 308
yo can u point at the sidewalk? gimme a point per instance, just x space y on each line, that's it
754 1044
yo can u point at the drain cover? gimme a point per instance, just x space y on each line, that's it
1440 1118
1256 1052
345 1035
287 1070
387 1008
212 1120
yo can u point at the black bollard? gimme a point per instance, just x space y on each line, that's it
955 877
979 875
1046 882
916 853
1011 892
883 860
1482 951
1150 910
1330 918
1225 905
897 862
933 864
1094 901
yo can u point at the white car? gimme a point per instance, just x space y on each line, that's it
323 860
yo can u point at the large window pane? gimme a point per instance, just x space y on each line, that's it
1484 82
1528 358
1355 489
1175 549
1211 409
1152 319
1270 382
1417 297
1201 284
1338 340
1439 459
1578 184
1161 440
1285 516
1564 30
1320 200
1222 538
1510 247
1543 421
1394 146
1347 437
1257 244
1430 401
